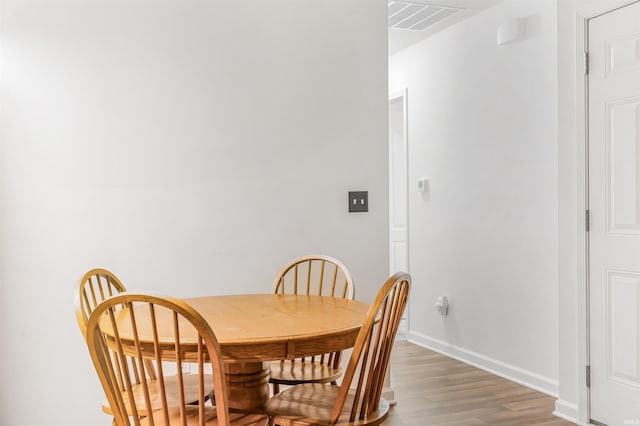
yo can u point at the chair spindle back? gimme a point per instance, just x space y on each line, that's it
370 357
94 286
316 275
113 336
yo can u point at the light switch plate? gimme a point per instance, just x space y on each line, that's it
358 201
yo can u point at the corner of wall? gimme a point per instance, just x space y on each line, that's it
566 411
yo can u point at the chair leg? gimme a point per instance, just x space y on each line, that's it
276 388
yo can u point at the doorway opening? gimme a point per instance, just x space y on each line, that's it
398 190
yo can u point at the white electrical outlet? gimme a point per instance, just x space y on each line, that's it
442 305
186 368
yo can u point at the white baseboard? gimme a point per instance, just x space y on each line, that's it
493 366
389 394
567 411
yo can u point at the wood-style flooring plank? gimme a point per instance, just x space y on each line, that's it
432 389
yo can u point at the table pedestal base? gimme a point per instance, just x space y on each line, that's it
247 384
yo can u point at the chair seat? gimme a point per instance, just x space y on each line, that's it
311 403
295 372
192 418
171 386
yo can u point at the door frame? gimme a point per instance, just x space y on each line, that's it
583 16
393 96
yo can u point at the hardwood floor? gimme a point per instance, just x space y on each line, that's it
432 389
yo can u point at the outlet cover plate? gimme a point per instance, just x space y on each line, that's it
358 201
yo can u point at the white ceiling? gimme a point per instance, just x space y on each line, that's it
413 20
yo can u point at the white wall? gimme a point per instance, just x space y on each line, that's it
482 128
192 147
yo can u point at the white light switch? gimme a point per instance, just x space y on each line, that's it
423 184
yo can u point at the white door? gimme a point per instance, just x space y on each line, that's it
614 210
398 217
398 195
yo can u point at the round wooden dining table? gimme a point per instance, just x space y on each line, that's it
255 328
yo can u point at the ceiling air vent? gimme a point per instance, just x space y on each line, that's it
408 15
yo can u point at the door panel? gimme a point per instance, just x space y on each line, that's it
614 206
623 292
398 190
398 197
623 149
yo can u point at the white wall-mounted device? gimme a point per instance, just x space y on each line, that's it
423 184
510 31
442 305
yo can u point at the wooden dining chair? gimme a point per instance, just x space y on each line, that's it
358 399
113 332
316 275
94 287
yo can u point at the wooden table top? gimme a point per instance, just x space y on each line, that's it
267 327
